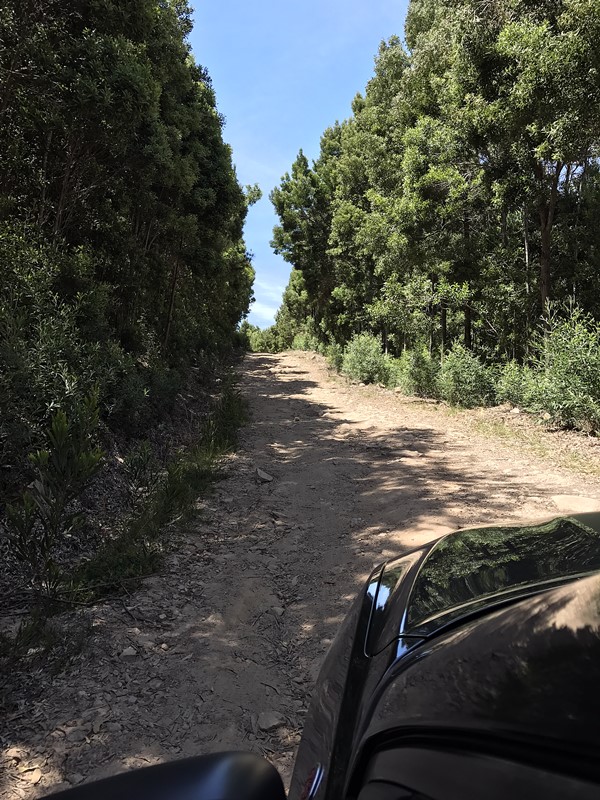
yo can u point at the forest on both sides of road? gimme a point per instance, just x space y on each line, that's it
443 244
450 223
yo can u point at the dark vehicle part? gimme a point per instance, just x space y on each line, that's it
414 773
467 638
465 669
222 776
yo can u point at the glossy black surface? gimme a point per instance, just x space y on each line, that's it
475 566
431 772
488 640
522 680
393 585
222 776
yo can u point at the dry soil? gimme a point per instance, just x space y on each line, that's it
222 648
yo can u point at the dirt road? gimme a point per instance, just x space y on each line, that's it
221 650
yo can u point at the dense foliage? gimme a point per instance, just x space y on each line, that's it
460 198
121 253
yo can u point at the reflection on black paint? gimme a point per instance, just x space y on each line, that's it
474 565
384 628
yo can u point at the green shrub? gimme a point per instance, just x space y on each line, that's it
463 380
305 341
396 372
415 372
511 384
228 413
334 353
142 471
421 373
45 362
166 496
263 341
364 361
56 345
44 517
568 372
242 337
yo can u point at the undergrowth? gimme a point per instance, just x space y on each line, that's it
533 441
560 381
43 640
168 499
159 498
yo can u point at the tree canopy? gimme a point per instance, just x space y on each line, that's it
458 198
121 216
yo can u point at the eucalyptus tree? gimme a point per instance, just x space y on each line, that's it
122 257
530 79
461 194
303 203
112 140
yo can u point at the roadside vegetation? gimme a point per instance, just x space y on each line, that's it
561 382
444 241
123 278
59 573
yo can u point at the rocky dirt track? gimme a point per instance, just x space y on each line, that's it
222 648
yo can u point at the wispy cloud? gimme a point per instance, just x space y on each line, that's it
268 291
254 170
262 314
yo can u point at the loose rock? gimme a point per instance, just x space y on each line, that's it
270 721
264 476
33 776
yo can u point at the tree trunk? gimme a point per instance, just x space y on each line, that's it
547 210
174 276
526 245
42 210
468 326
444 327
545 264
470 261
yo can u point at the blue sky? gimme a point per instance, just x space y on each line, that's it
283 72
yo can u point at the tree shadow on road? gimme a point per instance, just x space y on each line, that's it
258 588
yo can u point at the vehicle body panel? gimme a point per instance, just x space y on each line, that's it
463 636
474 567
524 675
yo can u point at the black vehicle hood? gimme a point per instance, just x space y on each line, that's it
471 570
520 679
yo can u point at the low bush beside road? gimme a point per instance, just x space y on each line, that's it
560 381
56 555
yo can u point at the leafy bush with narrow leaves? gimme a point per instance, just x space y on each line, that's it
396 372
306 340
511 384
44 515
167 494
463 380
334 353
364 360
55 349
416 373
262 341
568 372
